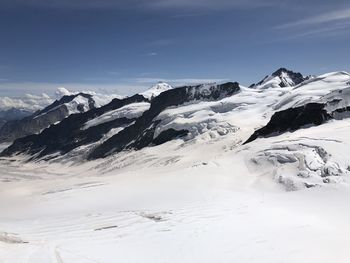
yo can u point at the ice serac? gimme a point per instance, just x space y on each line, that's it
281 78
72 132
141 133
42 119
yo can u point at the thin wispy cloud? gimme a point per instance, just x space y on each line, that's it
331 25
17 89
144 4
211 5
336 30
332 30
188 15
330 17
27 102
144 74
152 54
122 87
177 81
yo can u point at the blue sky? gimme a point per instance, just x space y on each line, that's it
127 45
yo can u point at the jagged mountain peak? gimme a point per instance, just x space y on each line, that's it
282 71
74 103
281 78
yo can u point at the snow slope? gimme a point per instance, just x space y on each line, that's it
187 205
155 90
280 79
205 197
314 89
129 111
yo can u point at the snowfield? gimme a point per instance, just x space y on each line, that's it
155 90
202 198
130 111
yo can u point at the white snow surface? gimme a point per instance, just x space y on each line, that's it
72 106
272 82
155 90
99 98
77 105
314 89
206 198
275 81
130 111
103 99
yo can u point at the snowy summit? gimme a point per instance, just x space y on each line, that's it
280 79
155 90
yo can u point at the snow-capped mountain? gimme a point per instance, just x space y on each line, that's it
143 132
197 115
83 129
130 119
12 109
155 90
55 112
201 173
280 79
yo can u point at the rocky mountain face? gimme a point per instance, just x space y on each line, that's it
293 119
272 123
70 133
13 114
141 133
197 115
131 131
42 119
281 78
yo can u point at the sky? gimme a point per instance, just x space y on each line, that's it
125 46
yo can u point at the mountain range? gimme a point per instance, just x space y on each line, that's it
76 128
198 173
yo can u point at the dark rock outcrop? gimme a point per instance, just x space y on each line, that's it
168 135
296 77
292 119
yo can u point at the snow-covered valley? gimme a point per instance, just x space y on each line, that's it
201 196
